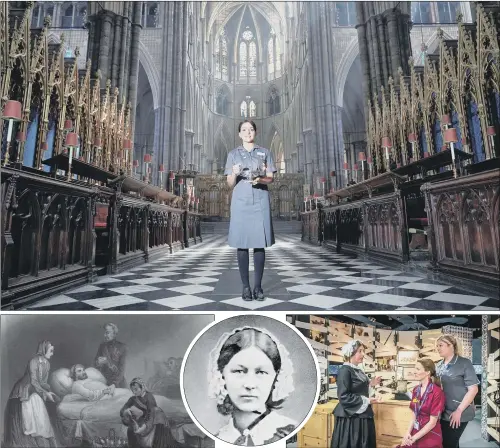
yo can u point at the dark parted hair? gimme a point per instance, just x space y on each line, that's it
247 121
241 340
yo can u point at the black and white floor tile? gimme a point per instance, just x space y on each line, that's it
298 277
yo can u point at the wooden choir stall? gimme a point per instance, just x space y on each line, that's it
73 206
427 188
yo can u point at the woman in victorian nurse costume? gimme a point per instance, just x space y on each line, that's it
249 169
251 375
354 425
427 404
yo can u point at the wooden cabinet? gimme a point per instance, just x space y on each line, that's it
318 430
392 418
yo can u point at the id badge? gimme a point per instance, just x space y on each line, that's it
416 426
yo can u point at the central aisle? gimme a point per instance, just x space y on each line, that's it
298 277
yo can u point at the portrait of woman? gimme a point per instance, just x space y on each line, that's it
255 395
427 404
28 413
354 419
460 386
146 422
249 169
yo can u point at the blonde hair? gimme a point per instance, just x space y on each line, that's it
449 339
429 366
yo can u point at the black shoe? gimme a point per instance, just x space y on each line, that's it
247 294
258 294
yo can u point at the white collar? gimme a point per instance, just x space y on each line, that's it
262 431
354 366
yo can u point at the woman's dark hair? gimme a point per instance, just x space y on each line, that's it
247 121
241 340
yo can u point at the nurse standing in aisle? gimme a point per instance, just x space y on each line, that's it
249 169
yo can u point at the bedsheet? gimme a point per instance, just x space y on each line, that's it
83 419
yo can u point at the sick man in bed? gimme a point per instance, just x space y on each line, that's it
81 387
110 358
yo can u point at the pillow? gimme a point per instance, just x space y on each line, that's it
95 375
60 382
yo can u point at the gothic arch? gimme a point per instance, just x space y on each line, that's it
151 70
223 92
345 65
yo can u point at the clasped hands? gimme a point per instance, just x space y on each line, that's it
408 440
102 360
237 170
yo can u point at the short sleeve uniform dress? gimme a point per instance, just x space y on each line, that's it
251 223
426 404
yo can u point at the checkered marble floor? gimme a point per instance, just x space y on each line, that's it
298 277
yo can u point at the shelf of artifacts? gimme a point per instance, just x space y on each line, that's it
389 354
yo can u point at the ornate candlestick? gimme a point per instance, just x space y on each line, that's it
147 161
387 144
171 177
412 139
362 159
490 132
20 138
161 170
346 170
370 166
450 136
11 112
71 144
135 165
127 150
181 186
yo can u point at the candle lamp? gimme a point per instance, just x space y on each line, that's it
171 178
346 170
147 161
161 170
370 166
68 126
450 137
445 120
135 165
490 132
355 172
71 144
181 186
387 144
323 182
11 112
127 149
305 204
362 159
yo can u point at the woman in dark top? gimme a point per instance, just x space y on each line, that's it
250 169
460 386
146 422
354 425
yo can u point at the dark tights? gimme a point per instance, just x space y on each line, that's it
451 436
259 259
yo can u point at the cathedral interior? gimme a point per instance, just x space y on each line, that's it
383 119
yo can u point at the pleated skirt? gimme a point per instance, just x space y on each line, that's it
354 432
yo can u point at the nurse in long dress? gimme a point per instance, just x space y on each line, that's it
27 420
354 419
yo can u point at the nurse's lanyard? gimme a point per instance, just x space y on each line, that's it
419 403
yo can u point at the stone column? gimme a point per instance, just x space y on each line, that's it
121 76
189 149
197 157
300 157
115 67
134 60
395 49
105 43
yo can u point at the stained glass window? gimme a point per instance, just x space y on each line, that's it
270 55
253 59
223 51
243 109
243 59
278 55
253 109
247 35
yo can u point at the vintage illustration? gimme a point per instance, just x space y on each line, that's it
96 381
257 393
